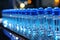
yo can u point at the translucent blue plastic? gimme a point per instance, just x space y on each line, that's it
56 19
34 24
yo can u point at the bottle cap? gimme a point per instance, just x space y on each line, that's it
48 10
28 11
18 11
56 11
5 11
23 11
34 11
40 10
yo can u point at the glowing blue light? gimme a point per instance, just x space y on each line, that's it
10 25
17 38
34 33
10 33
5 23
29 32
24 29
17 28
10 15
21 28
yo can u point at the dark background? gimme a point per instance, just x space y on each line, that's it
4 4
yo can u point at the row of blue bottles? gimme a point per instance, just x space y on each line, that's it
39 24
5 21
33 23
49 22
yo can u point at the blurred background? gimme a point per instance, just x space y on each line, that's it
14 4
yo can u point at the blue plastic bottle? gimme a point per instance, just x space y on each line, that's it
25 22
34 27
49 22
24 17
11 20
41 19
4 21
56 19
18 20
